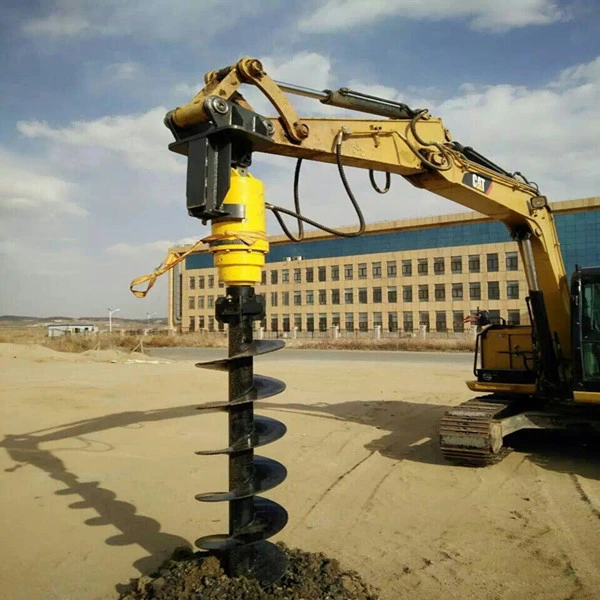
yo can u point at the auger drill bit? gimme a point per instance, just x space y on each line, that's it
220 190
252 519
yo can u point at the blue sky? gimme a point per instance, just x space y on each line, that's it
91 198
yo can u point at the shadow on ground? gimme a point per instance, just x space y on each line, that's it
134 528
410 430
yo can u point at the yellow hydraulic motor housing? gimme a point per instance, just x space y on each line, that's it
239 240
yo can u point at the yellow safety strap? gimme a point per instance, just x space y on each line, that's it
174 258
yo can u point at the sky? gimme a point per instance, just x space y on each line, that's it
90 196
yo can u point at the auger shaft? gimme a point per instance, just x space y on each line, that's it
241 423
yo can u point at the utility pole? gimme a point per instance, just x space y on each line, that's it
110 314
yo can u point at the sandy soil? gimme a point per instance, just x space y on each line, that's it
98 477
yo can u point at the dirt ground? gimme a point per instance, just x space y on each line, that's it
98 477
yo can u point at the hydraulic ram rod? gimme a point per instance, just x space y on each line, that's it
351 100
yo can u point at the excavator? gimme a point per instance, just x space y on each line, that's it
544 375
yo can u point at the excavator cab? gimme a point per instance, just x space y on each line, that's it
585 293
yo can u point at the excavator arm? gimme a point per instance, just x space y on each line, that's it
218 130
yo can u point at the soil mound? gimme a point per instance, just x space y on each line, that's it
196 576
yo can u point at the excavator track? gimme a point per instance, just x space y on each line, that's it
471 436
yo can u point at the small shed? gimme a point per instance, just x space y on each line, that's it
71 329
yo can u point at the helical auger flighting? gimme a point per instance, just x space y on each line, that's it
252 519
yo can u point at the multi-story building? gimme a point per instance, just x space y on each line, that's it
399 275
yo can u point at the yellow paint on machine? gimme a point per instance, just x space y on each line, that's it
239 243
587 397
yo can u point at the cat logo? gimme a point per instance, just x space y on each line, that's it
479 182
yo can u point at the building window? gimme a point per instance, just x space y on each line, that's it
285 276
475 290
422 268
495 318
377 320
514 317
363 321
457 291
349 321
456 264
310 274
512 261
192 302
439 292
210 302
362 296
200 301
393 321
348 272
322 273
349 296
192 325
297 298
440 321
273 298
201 322
211 281
310 297
285 298
458 321
492 262
362 271
263 279
322 321
222 285
286 322
335 296
493 290
377 295
407 321
392 294
335 319
274 323
474 263
439 268
424 320
322 297
376 270
297 275
298 322
512 290
406 268
201 282
407 293
423 293
310 322
392 270
211 323
335 273
273 281
192 283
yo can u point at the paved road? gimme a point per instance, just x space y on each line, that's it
202 354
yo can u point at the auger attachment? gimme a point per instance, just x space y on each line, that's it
252 519
238 243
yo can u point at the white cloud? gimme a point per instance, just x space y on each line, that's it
124 249
122 71
195 20
26 190
139 139
340 15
